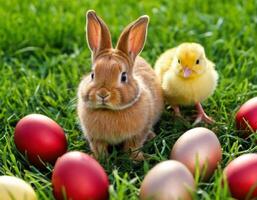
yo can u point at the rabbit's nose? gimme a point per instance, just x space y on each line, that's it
103 94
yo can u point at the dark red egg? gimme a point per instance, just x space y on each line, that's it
78 176
246 117
241 176
40 138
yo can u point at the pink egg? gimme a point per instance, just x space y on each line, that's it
80 177
168 180
40 138
198 147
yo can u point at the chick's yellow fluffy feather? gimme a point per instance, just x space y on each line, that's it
187 76
180 91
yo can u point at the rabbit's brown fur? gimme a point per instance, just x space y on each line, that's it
112 111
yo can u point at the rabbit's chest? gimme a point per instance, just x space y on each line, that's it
115 127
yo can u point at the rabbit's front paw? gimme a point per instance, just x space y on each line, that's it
150 135
137 156
99 149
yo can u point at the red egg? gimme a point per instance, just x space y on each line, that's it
80 176
40 138
246 117
241 175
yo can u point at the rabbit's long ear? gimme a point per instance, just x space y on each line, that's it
97 33
133 37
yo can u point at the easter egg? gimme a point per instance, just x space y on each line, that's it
246 117
168 180
198 148
15 188
241 176
79 176
40 139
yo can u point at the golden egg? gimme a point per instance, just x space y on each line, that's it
14 188
198 148
168 180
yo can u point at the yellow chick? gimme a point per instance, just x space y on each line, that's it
187 78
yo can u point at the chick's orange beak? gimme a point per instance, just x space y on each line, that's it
186 72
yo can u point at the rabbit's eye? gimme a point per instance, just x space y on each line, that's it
179 61
124 77
92 75
197 61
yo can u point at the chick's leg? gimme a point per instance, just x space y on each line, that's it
177 111
202 116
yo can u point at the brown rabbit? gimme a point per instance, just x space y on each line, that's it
121 100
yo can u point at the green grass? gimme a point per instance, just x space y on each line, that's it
43 55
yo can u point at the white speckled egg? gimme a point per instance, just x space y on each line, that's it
15 188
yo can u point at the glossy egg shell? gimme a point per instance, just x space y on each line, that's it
15 188
168 180
81 176
241 176
40 138
198 147
247 116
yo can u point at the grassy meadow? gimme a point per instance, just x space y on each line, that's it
43 55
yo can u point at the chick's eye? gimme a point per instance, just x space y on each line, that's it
197 61
92 75
179 61
123 77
